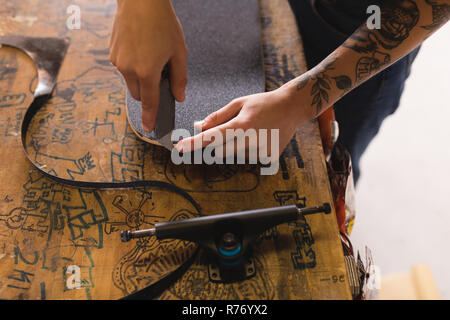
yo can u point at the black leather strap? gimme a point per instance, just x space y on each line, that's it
164 283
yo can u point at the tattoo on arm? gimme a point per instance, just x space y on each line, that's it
322 83
374 46
399 17
441 12
343 82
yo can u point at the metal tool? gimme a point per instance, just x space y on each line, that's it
227 237
47 54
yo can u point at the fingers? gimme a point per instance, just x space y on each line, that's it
212 137
129 75
145 88
229 140
178 75
133 86
149 92
222 115
214 128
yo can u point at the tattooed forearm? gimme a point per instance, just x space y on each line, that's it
398 18
322 81
441 12
405 24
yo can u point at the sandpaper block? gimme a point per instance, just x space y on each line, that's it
224 63
165 118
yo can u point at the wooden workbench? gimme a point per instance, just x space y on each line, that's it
82 133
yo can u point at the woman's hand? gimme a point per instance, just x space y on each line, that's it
279 109
146 36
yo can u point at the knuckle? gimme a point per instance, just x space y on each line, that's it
148 74
244 122
235 101
213 117
124 69
143 73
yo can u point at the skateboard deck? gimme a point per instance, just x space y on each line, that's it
224 63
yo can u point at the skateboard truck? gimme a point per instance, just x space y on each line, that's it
227 237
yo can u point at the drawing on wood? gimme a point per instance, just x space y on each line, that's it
82 133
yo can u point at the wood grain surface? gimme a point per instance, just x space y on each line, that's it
82 133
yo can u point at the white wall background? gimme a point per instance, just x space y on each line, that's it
403 196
